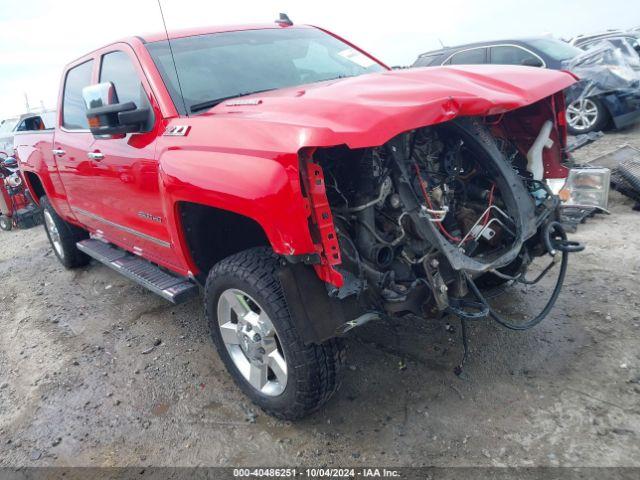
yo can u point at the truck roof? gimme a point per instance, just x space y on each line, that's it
189 32
155 37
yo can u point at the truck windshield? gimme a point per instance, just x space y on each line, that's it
219 66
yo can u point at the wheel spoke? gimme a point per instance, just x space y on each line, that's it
229 333
265 323
270 345
278 366
236 303
250 338
258 376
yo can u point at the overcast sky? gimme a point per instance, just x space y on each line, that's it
37 37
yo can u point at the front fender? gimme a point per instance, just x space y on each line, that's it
263 188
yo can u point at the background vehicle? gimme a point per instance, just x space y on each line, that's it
23 123
626 41
593 104
16 207
306 188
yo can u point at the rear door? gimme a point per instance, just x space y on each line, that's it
127 170
72 141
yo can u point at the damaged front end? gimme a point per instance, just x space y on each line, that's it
419 224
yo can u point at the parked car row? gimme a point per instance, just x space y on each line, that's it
607 64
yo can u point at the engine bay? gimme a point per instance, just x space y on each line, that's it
421 215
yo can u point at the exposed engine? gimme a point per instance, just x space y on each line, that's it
420 215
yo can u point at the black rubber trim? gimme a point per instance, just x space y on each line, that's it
515 195
316 315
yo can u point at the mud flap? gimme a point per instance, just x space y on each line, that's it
316 315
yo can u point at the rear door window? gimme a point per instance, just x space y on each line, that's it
509 55
74 111
29 124
469 57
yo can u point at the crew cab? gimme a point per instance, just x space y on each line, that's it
300 184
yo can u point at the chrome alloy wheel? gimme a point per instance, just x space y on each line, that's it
582 114
54 234
252 342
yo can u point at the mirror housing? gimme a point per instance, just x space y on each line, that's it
532 62
107 117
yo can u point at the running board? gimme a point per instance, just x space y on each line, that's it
170 287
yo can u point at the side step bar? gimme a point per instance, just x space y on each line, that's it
170 287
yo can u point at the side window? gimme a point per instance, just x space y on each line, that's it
469 57
428 60
508 55
29 124
118 69
74 112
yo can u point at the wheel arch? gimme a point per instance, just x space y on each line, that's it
250 192
211 234
608 108
35 185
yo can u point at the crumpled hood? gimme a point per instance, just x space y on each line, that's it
602 68
370 109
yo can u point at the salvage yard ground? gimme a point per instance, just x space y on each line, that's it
96 371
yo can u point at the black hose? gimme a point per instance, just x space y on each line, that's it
552 247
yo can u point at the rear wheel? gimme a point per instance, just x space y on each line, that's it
586 115
63 237
5 223
257 340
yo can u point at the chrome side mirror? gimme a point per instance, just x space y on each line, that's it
107 117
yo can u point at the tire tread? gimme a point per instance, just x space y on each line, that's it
319 371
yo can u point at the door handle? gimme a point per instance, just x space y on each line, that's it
95 156
58 152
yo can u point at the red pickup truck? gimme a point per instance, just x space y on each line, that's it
302 185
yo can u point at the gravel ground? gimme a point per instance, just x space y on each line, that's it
78 389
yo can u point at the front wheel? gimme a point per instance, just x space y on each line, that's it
586 115
258 342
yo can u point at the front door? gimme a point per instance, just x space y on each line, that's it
127 176
72 141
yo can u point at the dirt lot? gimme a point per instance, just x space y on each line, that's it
77 388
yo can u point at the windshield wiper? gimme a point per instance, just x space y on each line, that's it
339 77
216 101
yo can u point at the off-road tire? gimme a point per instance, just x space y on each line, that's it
69 236
5 223
314 370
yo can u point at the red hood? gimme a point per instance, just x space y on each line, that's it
368 110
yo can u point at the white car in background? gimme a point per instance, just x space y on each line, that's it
23 123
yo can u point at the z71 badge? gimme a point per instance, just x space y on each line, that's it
148 216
